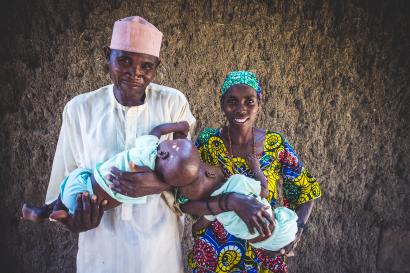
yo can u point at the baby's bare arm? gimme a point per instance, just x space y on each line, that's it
253 163
180 129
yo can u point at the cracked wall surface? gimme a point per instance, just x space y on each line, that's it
335 75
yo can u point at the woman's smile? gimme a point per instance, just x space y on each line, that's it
240 120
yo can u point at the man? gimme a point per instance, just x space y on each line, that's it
102 123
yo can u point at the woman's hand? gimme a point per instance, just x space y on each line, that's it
141 181
289 249
87 215
252 212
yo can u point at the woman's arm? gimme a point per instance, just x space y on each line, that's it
252 212
296 175
303 212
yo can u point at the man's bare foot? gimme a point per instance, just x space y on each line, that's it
35 214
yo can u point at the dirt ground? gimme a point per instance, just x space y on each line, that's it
335 76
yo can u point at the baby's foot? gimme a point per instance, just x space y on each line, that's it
35 214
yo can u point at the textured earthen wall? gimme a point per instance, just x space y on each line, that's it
336 79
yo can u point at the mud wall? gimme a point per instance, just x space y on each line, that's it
336 79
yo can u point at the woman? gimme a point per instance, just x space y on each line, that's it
215 250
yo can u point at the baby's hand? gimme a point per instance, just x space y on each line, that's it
182 130
253 162
183 126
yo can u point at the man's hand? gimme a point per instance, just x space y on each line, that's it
141 181
87 215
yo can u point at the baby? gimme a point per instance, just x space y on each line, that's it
176 162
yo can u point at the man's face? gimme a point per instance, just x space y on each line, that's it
131 72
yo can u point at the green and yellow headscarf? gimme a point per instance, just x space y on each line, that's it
241 77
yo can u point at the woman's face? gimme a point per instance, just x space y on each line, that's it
240 105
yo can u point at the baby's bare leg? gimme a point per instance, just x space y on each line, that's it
102 195
37 214
57 208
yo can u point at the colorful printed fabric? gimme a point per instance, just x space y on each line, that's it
215 250
241 77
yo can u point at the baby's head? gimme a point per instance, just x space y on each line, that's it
177 162
209 179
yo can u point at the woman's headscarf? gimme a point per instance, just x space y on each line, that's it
241 77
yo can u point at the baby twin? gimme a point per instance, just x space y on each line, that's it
177 163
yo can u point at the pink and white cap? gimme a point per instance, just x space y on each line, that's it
135 34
